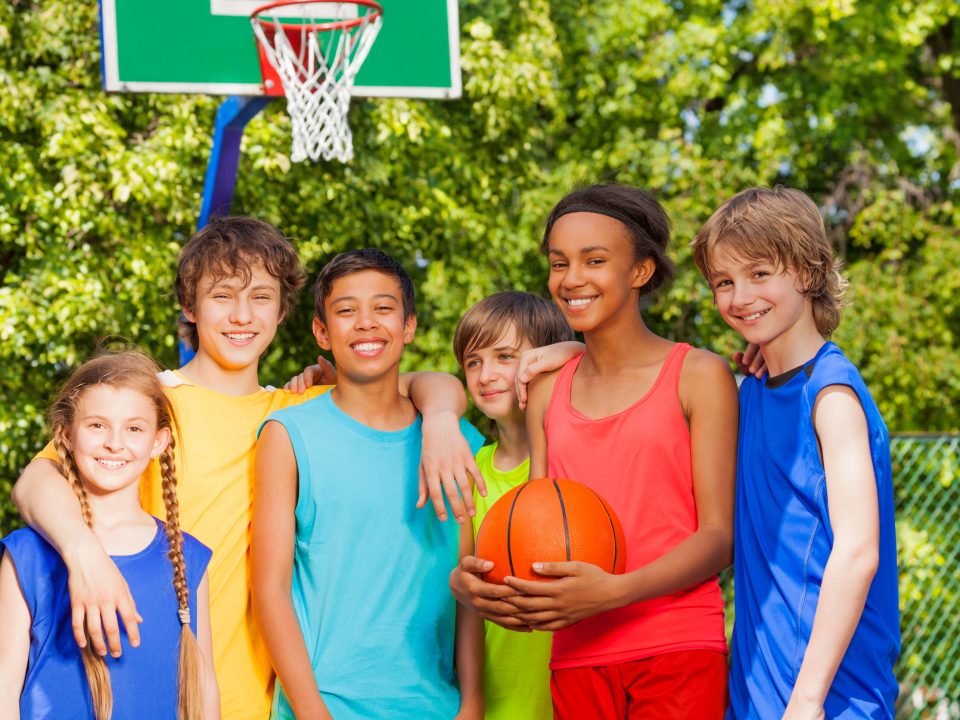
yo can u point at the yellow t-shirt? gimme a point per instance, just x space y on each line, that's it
216 443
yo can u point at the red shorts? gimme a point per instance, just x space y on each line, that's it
677 685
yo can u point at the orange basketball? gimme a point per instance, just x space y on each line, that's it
549 520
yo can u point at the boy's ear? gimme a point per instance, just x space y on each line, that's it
642 272
409 329
320 333
188 314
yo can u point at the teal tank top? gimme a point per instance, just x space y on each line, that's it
370 574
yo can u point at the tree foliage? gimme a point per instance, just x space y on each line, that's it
857 103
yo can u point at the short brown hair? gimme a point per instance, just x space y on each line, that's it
354 261
537 320
231 247
782 226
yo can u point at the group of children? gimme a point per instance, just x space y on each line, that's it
327 572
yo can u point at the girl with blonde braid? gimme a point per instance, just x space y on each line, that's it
107 422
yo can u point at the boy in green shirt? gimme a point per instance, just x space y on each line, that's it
488 343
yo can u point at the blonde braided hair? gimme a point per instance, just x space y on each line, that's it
134 370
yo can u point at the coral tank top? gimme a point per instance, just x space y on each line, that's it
639 461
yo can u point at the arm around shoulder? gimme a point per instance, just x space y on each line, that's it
98 592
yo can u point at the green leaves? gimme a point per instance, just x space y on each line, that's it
857 103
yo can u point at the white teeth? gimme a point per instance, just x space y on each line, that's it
240 336
368 347
755 315
577 302
112 464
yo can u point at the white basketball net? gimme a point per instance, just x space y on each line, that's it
318 80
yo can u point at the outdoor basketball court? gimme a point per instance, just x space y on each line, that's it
318 54
207 46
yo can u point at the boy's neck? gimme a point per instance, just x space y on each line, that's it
204 371
512 444
792 349
376 403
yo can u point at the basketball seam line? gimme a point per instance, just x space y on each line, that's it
613 530
510 527
563 511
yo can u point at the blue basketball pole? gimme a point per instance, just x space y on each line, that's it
218 187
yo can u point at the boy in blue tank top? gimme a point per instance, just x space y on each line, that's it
817 618
349 579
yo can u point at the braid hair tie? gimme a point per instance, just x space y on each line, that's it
184 616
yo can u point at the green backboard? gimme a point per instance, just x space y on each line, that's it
207 46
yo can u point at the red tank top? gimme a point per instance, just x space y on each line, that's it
639 461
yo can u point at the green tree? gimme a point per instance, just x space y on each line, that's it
856 103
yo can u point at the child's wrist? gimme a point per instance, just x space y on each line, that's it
442 414
807 696
81 548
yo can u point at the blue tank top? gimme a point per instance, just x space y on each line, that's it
370 570
782 542
144 679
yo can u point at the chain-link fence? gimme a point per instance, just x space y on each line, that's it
927 486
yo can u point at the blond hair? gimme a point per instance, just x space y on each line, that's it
782 226
136 371
536 320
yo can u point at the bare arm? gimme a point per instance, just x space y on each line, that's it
446 460
211 691
98 592
489 600
855 516
585 590
541 388
469 647
543 359
274 504
15 648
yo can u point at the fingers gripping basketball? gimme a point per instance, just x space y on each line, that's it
550 520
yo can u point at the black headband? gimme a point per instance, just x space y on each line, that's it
630 223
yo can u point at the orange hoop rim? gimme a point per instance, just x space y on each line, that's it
322 27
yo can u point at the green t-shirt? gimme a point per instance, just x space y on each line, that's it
516 666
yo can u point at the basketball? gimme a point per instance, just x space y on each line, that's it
549 520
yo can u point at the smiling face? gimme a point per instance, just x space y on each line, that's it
594 275
365 326
236 322
491 374
759 300
113 436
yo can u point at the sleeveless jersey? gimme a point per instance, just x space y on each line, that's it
143 679
639 461
783 540
370 571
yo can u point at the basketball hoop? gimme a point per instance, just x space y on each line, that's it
311 51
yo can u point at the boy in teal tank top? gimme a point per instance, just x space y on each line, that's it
349 579
488 342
